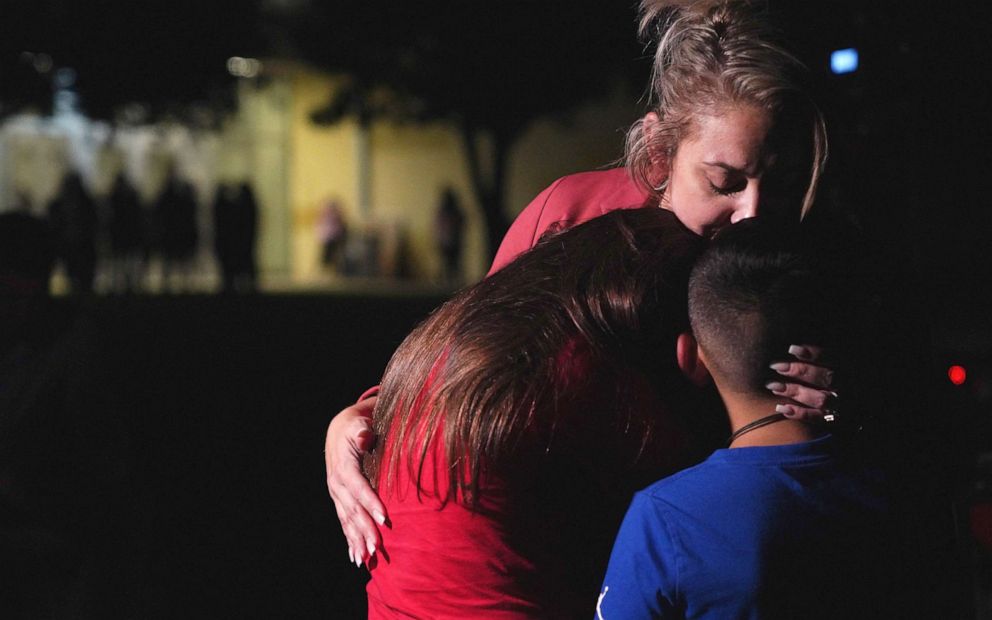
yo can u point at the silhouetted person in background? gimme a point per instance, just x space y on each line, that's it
450 229
175 214
225 202
62 448
126 228
332 232
74 221
235 231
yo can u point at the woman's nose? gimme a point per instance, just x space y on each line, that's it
748 204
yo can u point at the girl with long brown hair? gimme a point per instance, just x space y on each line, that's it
515 422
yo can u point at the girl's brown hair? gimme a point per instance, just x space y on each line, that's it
578 332
711 55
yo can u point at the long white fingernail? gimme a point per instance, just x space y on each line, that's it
780 366
775 386
379 517
351 555
785 410
371 547
358 561
797 351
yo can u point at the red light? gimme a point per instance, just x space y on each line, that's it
957 374
980 518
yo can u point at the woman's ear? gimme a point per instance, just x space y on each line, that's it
690 359
658 155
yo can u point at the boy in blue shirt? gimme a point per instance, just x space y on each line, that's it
779 524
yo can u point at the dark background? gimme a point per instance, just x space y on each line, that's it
224 401
228 402
178 457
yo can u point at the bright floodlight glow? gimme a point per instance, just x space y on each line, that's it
243 67
844 61
43 63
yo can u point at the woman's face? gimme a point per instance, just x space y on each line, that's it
736 165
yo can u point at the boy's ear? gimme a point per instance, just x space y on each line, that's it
689 358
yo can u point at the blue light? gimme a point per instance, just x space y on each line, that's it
844 61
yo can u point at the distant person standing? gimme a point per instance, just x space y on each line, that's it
235 233
128 249
74 222
332 232
224 206
450 230
175 213
247 238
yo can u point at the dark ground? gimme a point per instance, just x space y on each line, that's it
226 401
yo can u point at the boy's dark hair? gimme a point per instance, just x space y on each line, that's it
754 293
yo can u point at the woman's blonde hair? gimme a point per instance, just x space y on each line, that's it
711 55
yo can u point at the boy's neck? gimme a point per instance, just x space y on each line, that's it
742 409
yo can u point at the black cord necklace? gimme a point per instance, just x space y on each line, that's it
747 428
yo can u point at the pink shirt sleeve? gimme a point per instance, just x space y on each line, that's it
569 201
525 230
369 393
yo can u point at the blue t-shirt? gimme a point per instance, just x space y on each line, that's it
785 531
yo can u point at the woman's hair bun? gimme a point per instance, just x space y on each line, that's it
657 16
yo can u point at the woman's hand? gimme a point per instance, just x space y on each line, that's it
349 437
811 394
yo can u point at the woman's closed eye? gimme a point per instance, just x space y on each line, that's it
727 189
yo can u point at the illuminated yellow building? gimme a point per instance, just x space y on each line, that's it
388 179
400 170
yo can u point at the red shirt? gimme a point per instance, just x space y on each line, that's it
445 559
448 560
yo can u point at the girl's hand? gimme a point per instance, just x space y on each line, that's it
810 392
349 437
